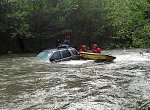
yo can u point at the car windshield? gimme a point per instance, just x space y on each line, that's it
44 55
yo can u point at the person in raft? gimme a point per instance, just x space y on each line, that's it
67 40
83 49
96 49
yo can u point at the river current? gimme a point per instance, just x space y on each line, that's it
29 84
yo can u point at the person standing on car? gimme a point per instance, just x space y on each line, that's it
67 40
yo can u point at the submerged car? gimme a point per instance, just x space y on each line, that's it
62 53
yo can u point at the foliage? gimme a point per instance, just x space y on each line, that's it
14 17
126 22
131 21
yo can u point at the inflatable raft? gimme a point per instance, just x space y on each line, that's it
96 56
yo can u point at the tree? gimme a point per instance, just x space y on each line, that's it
127 18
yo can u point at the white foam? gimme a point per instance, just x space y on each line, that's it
76 62
132 57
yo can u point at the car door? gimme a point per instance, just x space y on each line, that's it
75 55
66 55
56 57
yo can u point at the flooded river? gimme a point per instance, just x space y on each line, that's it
29 84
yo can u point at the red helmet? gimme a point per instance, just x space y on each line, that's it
67 37
95 45
83 46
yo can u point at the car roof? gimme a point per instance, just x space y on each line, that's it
56 49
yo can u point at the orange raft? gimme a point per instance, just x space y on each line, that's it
96 56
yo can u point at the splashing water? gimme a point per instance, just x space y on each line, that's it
77 62
26 83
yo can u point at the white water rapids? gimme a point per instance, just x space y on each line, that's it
29 84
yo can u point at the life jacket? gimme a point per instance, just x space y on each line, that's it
96 50
99 50
67 42
83 50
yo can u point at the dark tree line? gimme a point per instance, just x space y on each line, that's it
110 23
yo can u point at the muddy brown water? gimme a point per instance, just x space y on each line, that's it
29 84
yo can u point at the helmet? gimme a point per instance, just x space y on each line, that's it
67 37
83 46
95 45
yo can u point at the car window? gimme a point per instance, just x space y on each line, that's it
74 52
44 55
56 56
65 54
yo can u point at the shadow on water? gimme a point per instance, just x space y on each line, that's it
26 83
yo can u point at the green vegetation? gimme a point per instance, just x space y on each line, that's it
130 20
111 23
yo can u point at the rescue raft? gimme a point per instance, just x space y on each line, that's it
96 56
